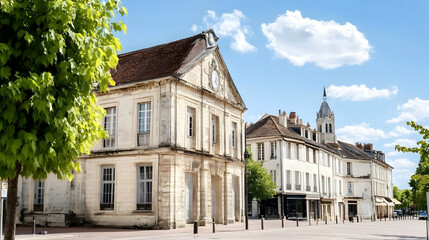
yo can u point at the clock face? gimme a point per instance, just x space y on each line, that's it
215 80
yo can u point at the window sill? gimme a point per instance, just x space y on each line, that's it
144 212
105 212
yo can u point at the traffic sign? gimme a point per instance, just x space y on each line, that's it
4 193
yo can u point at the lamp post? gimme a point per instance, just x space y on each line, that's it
246 207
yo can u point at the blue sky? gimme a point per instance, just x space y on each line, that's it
372 56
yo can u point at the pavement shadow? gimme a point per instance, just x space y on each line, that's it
399 236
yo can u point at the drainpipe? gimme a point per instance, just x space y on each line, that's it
281 179
159 141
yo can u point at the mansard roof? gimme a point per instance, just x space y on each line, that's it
324 111
158 61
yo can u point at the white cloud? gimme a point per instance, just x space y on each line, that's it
359 93
402 163
392 154
414 110
229 25
400 131
326 43
194 28
403 142
360 133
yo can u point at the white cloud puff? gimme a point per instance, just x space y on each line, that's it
194 28
327 44
403 142
402 163
229 25
360 133
357 93
413 110
364 132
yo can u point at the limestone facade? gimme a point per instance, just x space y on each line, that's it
318 176
174 154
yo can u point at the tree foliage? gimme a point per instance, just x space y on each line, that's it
419 182
52 54
259 182
404 196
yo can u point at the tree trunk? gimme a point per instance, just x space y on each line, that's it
12 201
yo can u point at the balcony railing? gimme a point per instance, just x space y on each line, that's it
315 188
298 187
308 188
288 186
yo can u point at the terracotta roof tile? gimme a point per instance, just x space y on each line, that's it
158 61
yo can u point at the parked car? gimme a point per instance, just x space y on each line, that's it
397 213
423 215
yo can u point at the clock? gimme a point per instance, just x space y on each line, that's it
215 80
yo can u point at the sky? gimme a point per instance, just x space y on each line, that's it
372 57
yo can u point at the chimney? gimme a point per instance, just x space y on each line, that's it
359 145
292 117
283 118
367 146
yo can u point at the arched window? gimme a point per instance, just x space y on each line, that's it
330 128
326 128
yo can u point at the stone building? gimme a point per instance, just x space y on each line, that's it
174 154
318 176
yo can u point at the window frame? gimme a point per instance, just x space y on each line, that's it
146 203
107 205
144 122
273 147
261 151
111 129
39 195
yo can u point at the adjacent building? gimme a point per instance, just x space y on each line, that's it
318 176
174 154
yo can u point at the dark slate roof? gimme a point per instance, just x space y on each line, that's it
270 127
158 61
324 111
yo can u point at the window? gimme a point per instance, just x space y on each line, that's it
39 192
273 150
107 193
329 186
349 168
234 135
110 127
297 180
260 151
294 151
330 128
307 182
191 122
323 185
341 187
214 129
288 180
144 116
273 175
144 188
315 182
349 188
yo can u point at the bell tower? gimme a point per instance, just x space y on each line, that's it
326 121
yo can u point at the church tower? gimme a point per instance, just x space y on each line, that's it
326 121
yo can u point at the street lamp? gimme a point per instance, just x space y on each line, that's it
246 207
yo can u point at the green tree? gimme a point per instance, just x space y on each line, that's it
52 55
419 182
259 182
397 194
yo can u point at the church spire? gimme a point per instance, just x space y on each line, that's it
324 95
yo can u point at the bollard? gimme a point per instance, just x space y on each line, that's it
357 219
195 227
34 226
343 218
213 222
297 221
336 219
317 221
283 222
262 222
309 221
384 217
326 220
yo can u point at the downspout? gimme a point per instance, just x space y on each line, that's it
372 192
281 179
159 141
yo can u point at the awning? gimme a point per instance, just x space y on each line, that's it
396 202
380 201
295 196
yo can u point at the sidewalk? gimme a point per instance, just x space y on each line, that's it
404 229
